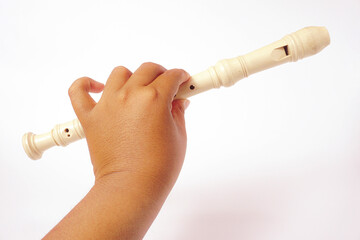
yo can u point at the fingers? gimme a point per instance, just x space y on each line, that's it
178 110
169 82
145 74
81 101
117 78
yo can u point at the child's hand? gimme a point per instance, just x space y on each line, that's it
137 140
136 127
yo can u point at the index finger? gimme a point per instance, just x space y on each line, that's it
169 82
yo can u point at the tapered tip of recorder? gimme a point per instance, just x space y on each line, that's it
29 146
313 40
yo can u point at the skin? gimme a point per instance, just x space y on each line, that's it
137 140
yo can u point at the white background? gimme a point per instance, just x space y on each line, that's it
274 157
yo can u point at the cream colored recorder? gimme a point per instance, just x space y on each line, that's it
303 43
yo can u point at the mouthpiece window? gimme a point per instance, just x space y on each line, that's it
286 50
280 53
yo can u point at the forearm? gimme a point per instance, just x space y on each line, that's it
119 206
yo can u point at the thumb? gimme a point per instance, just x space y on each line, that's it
178 110
81 101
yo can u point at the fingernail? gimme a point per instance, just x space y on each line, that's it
186 104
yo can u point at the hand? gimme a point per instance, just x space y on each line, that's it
137 140
136 126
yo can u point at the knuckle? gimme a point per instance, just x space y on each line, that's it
123 95
122 70
119 68
153 66
176 72
77 84
150 93
148 64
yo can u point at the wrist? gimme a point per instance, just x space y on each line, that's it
144 186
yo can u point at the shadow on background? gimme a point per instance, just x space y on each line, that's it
249 211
